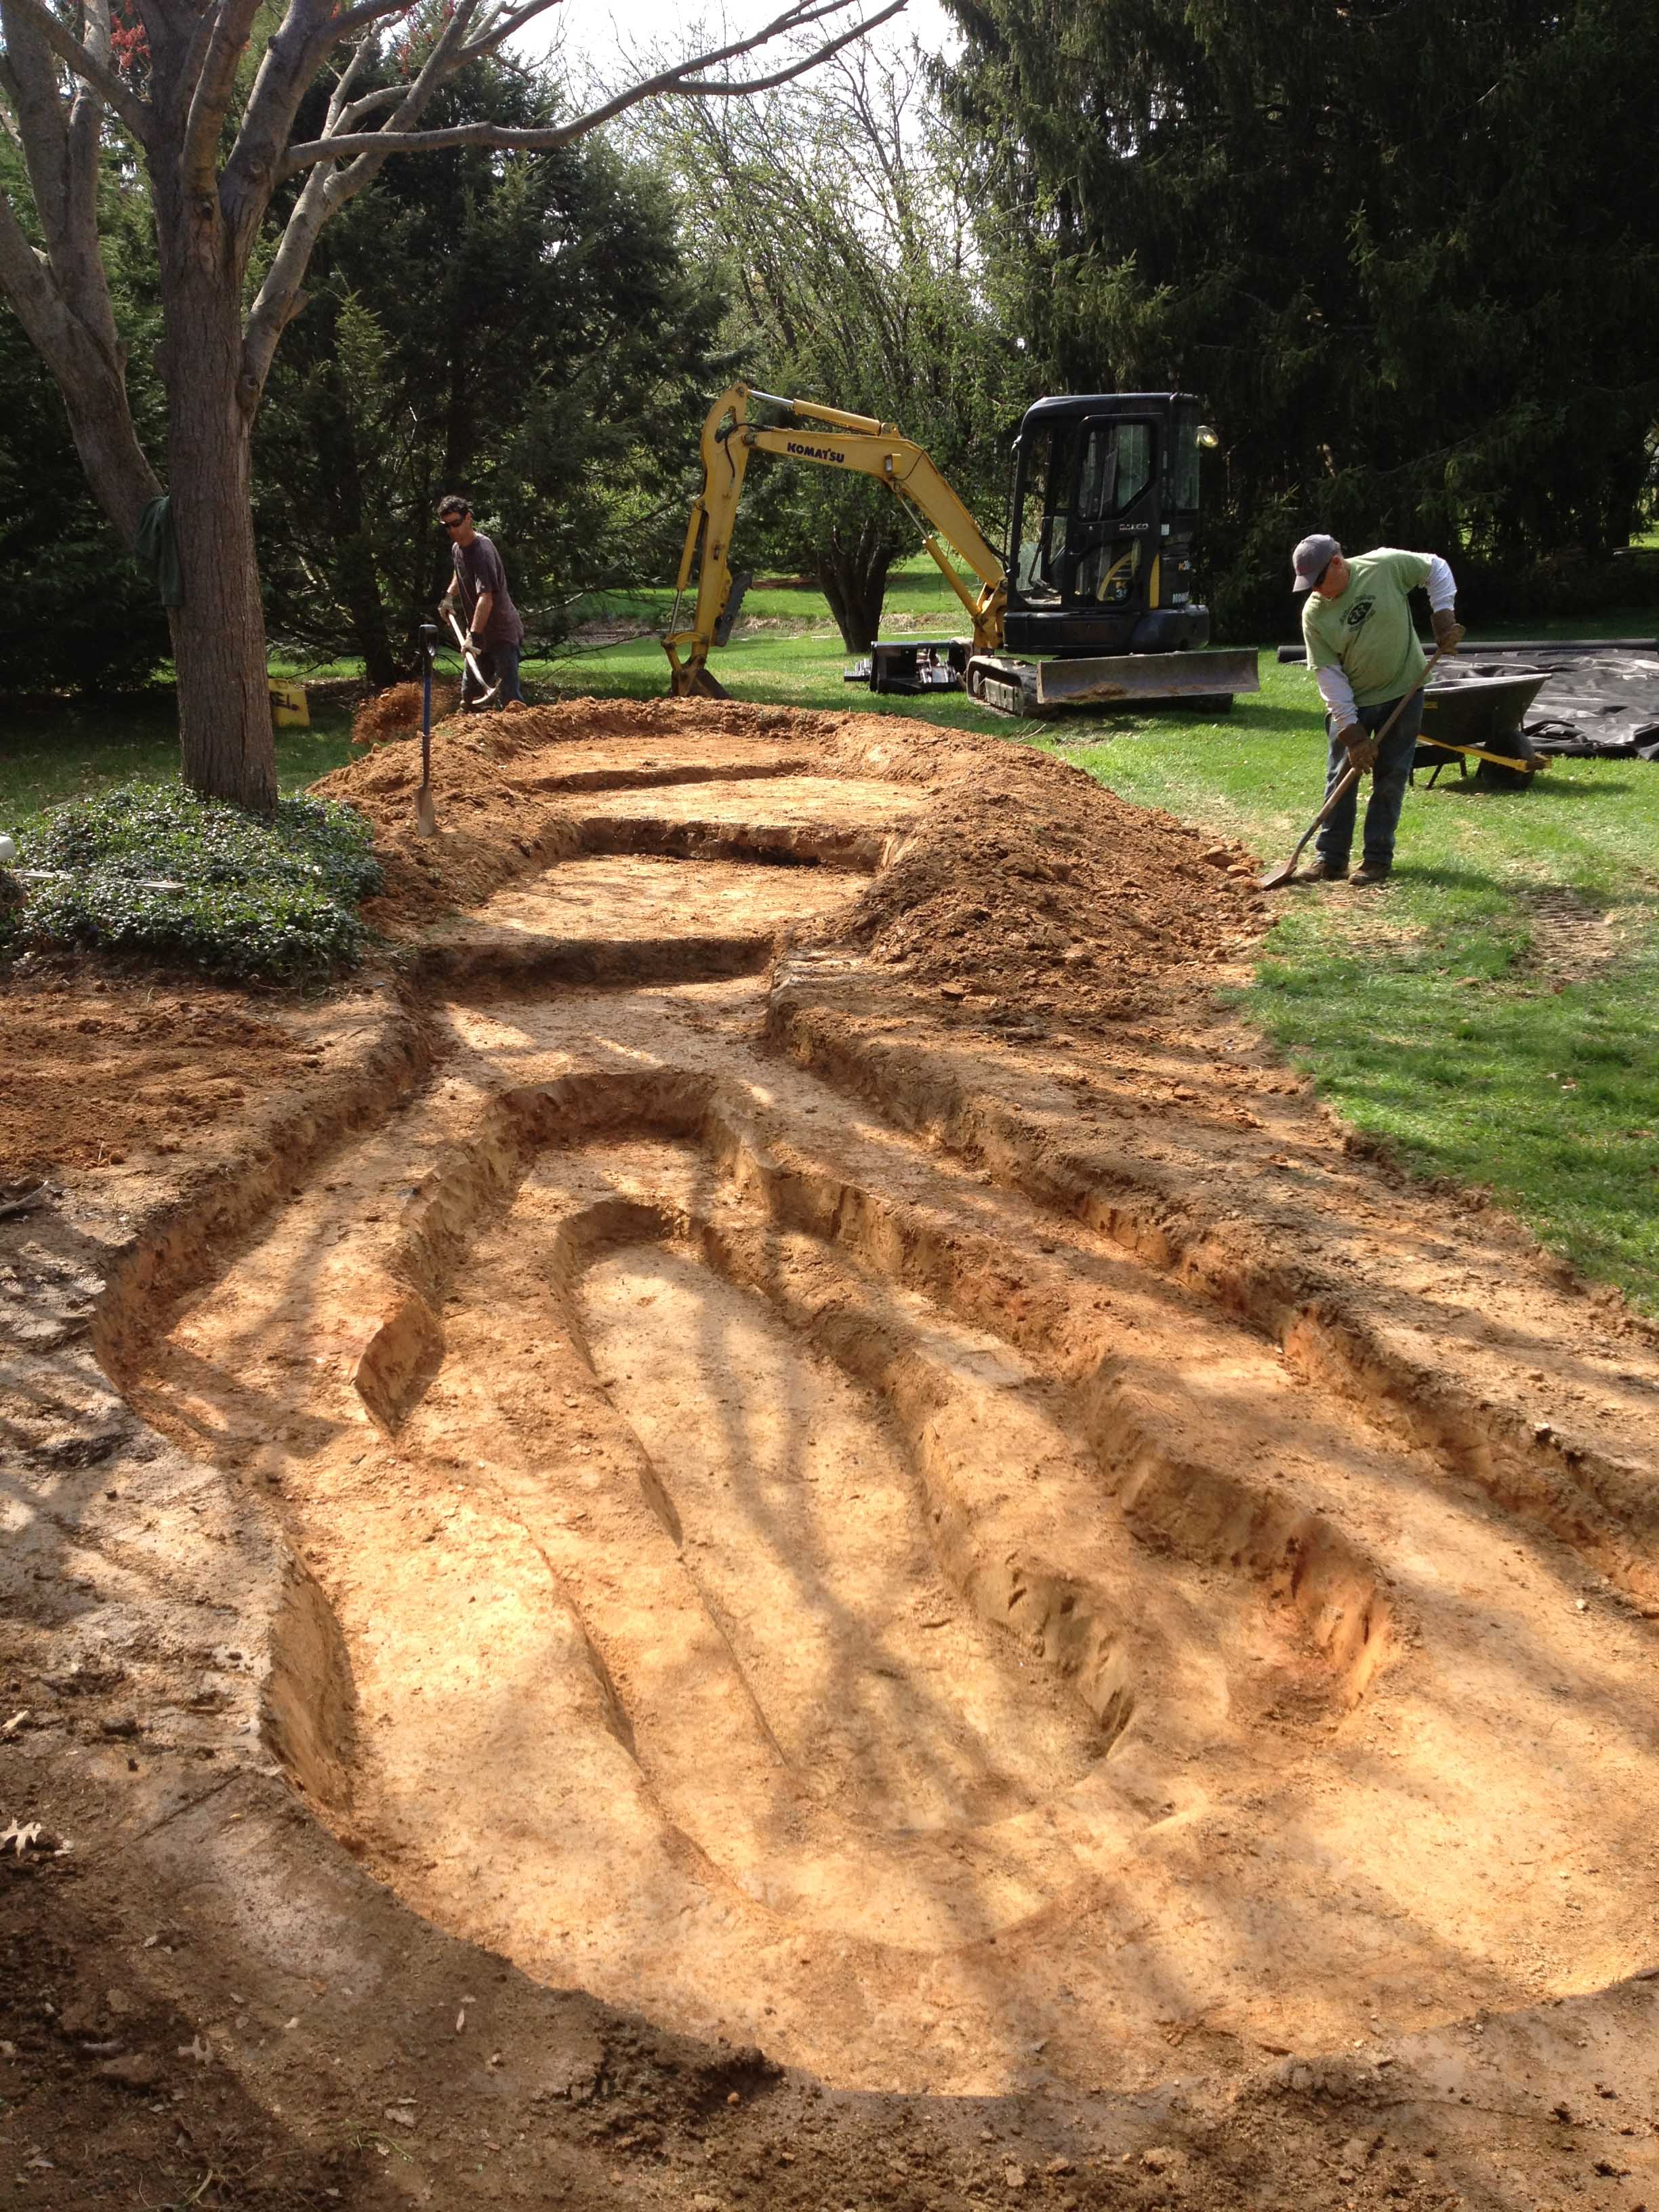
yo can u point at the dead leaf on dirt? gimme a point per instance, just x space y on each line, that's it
21 1839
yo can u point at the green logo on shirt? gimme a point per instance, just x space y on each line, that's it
1358 613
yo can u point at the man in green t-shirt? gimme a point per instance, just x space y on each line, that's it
1363 648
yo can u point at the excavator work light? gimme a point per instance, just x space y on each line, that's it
1206 437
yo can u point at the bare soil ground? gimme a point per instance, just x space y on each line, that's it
774 1525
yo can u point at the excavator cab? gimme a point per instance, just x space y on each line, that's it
1102 517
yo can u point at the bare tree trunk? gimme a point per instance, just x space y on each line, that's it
225 734
361 593
852 572
355 576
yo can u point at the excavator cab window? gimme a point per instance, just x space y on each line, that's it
1086 503
1117 467
1116 500
1040 521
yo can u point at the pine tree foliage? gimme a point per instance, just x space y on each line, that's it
1409 251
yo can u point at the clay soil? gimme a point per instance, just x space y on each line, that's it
772 1524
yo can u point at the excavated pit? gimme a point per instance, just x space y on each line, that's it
792 1541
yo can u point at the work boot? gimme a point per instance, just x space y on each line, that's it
1369 873
1322 870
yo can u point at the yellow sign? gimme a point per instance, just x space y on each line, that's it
288 710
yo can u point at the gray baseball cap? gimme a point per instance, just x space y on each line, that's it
1310 560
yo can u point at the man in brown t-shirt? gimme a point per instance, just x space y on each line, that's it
493 627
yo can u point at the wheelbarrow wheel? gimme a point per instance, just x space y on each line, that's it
1516 745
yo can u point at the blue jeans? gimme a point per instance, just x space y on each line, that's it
501 662
1389 777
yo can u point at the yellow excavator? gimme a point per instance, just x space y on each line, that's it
1094 602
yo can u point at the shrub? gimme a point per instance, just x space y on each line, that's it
150 870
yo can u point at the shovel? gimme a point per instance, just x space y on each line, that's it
426 818
485 692
1276 878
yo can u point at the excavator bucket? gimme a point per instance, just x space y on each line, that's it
1144 678
700 684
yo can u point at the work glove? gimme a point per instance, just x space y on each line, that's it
1447 630
475 644
1359 745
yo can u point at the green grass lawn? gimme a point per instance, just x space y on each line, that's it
75 750
1451 1012
1445 1013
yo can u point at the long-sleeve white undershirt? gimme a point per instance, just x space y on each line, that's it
1442 591
1337 692
1333 685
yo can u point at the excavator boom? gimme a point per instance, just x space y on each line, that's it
857 443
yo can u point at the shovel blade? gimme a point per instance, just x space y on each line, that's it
1276 878
425 815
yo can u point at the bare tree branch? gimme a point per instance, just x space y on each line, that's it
118 97
514 19
88 371
326 190
383 96
33 80
376 11
343 82
287 69
670 83
78 257
233 26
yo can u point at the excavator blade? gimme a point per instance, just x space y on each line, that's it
1144 678
700 684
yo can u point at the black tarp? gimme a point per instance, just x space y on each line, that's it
1599 699
1594 705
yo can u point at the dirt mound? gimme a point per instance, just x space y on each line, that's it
95 1066
1022 878
396 711
483 810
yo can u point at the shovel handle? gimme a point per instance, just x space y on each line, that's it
469 658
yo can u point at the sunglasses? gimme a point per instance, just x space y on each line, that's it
452 521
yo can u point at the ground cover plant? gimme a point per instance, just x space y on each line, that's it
147 869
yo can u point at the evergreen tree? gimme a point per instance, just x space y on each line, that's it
1408 251
521 329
